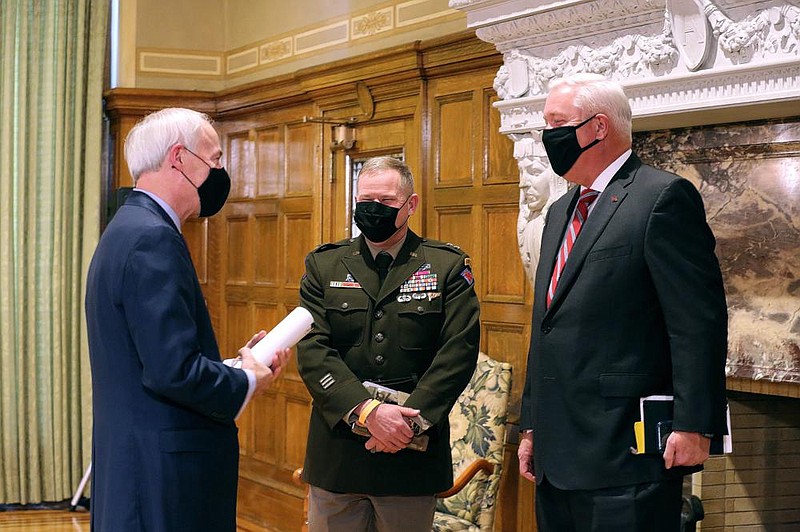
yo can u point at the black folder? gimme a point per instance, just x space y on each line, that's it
655 426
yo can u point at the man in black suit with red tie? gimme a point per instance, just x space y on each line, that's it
628 302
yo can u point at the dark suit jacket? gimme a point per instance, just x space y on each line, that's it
640 309
165 448
427 346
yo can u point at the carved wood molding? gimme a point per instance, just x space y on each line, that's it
389 74
139 102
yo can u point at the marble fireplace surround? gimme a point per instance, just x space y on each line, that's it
688 66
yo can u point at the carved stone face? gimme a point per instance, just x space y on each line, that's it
534 184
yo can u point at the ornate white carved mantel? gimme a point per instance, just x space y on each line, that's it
682 62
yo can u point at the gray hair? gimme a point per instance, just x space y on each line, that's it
377 164
596 94
149 141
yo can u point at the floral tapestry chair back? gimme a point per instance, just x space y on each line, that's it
477 431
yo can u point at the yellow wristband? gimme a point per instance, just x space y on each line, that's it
367 410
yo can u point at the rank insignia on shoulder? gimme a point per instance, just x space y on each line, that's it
467 262
451 245
466 273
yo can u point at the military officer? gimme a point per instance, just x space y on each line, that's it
411 325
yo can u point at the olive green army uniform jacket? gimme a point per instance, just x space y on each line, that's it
418 333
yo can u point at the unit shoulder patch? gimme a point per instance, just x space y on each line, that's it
466 273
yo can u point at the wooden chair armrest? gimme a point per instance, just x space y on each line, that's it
466 476
296 477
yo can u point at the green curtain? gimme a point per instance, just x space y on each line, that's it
51 82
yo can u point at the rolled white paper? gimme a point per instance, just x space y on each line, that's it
287 333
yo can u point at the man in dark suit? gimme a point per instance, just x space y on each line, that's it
628 302
165 449
417 331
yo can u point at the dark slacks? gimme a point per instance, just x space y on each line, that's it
651 507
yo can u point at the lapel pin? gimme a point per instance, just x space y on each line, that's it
614 198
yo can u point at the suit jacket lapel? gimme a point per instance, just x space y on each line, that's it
604 209
553 235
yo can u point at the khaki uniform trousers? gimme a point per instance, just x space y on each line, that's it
357 512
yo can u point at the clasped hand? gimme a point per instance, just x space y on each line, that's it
389 427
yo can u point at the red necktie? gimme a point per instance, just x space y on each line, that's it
574 229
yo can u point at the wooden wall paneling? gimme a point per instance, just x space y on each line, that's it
261 435
454 138
239 243
272 221
268 428
298 411
505 277
242 162
269 161
499 165
298 240
474 172
301 167
453 223
509 338
266 252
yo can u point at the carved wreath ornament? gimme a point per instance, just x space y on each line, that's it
691 29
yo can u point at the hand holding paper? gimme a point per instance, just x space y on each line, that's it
284 335
265 375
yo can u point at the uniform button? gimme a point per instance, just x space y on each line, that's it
546 329
378 314
379 360
379 337
345 305
420 309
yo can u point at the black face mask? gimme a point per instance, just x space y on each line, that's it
562 147
213 193
377 220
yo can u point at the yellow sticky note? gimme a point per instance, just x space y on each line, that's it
638 430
